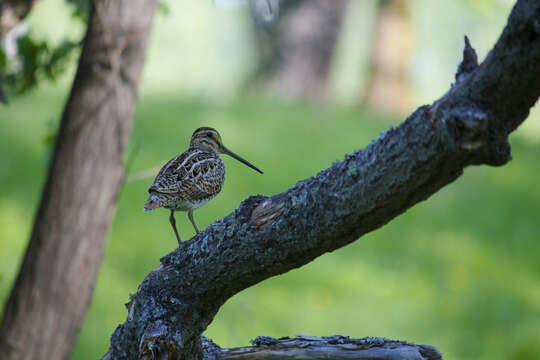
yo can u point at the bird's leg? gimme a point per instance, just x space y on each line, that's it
190 216
173 224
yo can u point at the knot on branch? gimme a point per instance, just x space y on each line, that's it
476 136
468 126
468 64
266 212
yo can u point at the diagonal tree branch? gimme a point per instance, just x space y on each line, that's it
267 236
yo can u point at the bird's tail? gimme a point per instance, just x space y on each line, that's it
152 203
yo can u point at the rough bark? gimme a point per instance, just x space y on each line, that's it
296 54
328 347
387 88
44 312
12 12
267 236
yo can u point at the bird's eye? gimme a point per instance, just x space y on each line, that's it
209 134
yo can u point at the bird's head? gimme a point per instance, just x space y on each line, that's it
208 139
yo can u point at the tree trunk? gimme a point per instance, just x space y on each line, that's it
387 88
53 289
295 55
268 236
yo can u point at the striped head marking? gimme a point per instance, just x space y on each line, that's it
206 138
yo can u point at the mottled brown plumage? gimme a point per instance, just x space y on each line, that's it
192 178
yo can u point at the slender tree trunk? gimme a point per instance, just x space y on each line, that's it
296 53
44 312
387 88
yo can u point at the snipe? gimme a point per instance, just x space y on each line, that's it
192 178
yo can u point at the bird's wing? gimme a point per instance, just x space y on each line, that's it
193 175
205 179
166 180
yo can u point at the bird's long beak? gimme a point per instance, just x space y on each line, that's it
224 150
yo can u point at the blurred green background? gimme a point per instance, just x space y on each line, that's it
460 271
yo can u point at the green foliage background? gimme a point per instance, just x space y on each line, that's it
460 271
